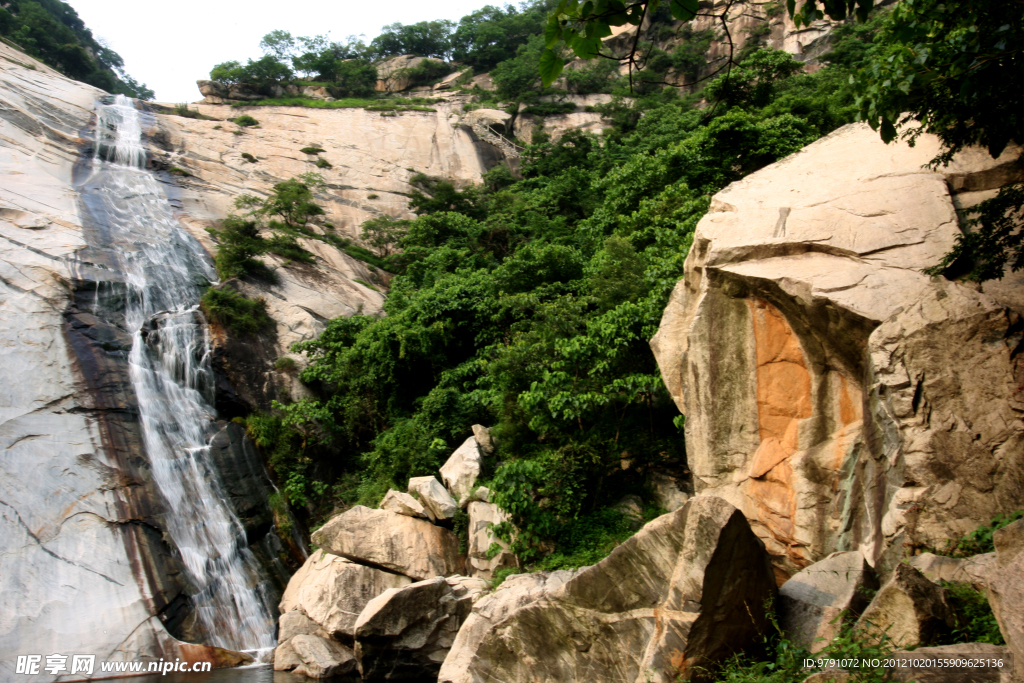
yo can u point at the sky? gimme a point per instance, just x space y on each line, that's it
170 45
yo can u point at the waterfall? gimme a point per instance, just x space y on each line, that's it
165 270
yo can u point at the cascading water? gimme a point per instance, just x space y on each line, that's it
164 270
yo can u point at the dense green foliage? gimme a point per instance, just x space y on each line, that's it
52 32
527 304
975 621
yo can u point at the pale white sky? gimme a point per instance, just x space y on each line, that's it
169 45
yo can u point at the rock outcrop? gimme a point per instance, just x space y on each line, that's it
397 543
686 591
837 395
819 600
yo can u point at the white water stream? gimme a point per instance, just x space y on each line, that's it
164 269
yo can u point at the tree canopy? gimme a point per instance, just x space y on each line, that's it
52 32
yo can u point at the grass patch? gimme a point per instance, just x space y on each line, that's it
499 575
372 195
323 163
174 170
311 150
250 158
246 121
235 311
365 284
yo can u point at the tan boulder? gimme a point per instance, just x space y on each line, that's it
482 516
403 504
837 395
909 610
435 499
515 593
295 623
397 543
321 657
407 632
817 601
460 471
685 592
483 439
331 591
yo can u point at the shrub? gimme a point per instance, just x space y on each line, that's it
250 158
980 540
181 109
246 121
235 311
286 364
372 195
323 163
311 150
975 621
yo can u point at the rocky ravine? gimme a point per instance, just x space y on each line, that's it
837 395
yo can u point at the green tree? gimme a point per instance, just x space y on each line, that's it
383 233
485 38
278 44
425 39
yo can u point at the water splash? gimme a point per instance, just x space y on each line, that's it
164 270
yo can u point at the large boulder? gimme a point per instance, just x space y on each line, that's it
330 592
435 499
837 395
813 603
407 632
461 470
495 119
686 591
482 516
394 542
909 610
1006 590
515 593
321 657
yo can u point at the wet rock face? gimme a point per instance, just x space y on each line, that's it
838 396
85 567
